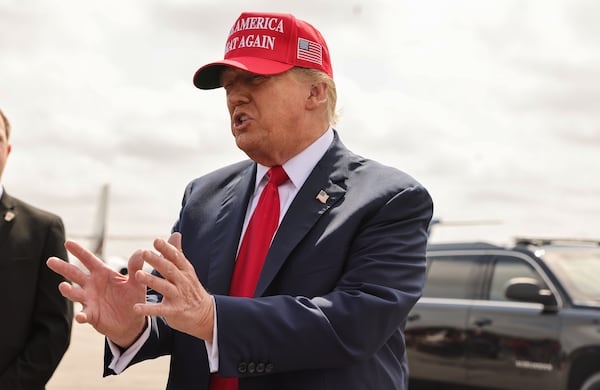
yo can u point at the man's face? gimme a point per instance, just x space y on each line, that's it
4 147
268 114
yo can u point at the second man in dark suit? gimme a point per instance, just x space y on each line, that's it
35 328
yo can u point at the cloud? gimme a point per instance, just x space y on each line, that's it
492 105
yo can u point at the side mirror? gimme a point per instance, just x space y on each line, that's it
529 290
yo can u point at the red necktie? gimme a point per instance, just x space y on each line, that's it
253 251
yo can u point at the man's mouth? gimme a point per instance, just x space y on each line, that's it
239 120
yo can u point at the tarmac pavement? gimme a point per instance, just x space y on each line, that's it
81 367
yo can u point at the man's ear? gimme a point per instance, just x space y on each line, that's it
317 95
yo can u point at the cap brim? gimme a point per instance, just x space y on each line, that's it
209 76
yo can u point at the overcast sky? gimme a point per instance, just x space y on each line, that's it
493 105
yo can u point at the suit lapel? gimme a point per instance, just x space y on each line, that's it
227 230
307 207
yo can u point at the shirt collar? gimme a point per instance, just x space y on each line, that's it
301 165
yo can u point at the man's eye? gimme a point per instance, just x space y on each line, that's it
226 84
257 78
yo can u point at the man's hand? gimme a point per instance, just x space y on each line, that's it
107 296
186 305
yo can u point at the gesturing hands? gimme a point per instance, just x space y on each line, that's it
186 305
115 305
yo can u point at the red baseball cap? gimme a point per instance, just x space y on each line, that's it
267 44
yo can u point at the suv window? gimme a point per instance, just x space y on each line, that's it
578 272
451 277
507 268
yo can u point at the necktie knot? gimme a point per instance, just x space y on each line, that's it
277 175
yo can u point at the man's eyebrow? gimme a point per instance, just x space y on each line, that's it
227 78
227 70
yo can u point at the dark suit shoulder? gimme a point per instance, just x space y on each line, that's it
221 177
368 173
26 209
378 172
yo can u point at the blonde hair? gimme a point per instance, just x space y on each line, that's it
320 76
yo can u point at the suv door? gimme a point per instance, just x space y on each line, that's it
513 345
435 332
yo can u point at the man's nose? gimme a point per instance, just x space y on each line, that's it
237 94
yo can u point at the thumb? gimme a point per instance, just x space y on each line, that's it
175 240
136 262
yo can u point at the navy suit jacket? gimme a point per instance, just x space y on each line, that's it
36 325
338 282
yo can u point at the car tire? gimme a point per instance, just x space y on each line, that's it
592 383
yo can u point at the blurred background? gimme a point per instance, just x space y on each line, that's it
492 105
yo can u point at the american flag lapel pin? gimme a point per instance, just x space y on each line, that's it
9 216
322 196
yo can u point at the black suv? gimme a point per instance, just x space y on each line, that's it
519 317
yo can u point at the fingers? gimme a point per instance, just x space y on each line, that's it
136 262
86 257
73 293
68 271
160 285
171 250
150 309
81 317
175 240
172 260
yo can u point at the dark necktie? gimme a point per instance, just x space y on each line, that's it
253 251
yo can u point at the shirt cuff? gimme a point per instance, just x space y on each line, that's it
212 347
121 360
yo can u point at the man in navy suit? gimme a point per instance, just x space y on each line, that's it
36 322
344 268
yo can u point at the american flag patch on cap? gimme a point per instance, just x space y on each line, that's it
310 51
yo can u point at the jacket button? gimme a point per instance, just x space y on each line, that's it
260 368
269 368
251 368
242 368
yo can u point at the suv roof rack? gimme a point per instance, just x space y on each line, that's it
539 241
